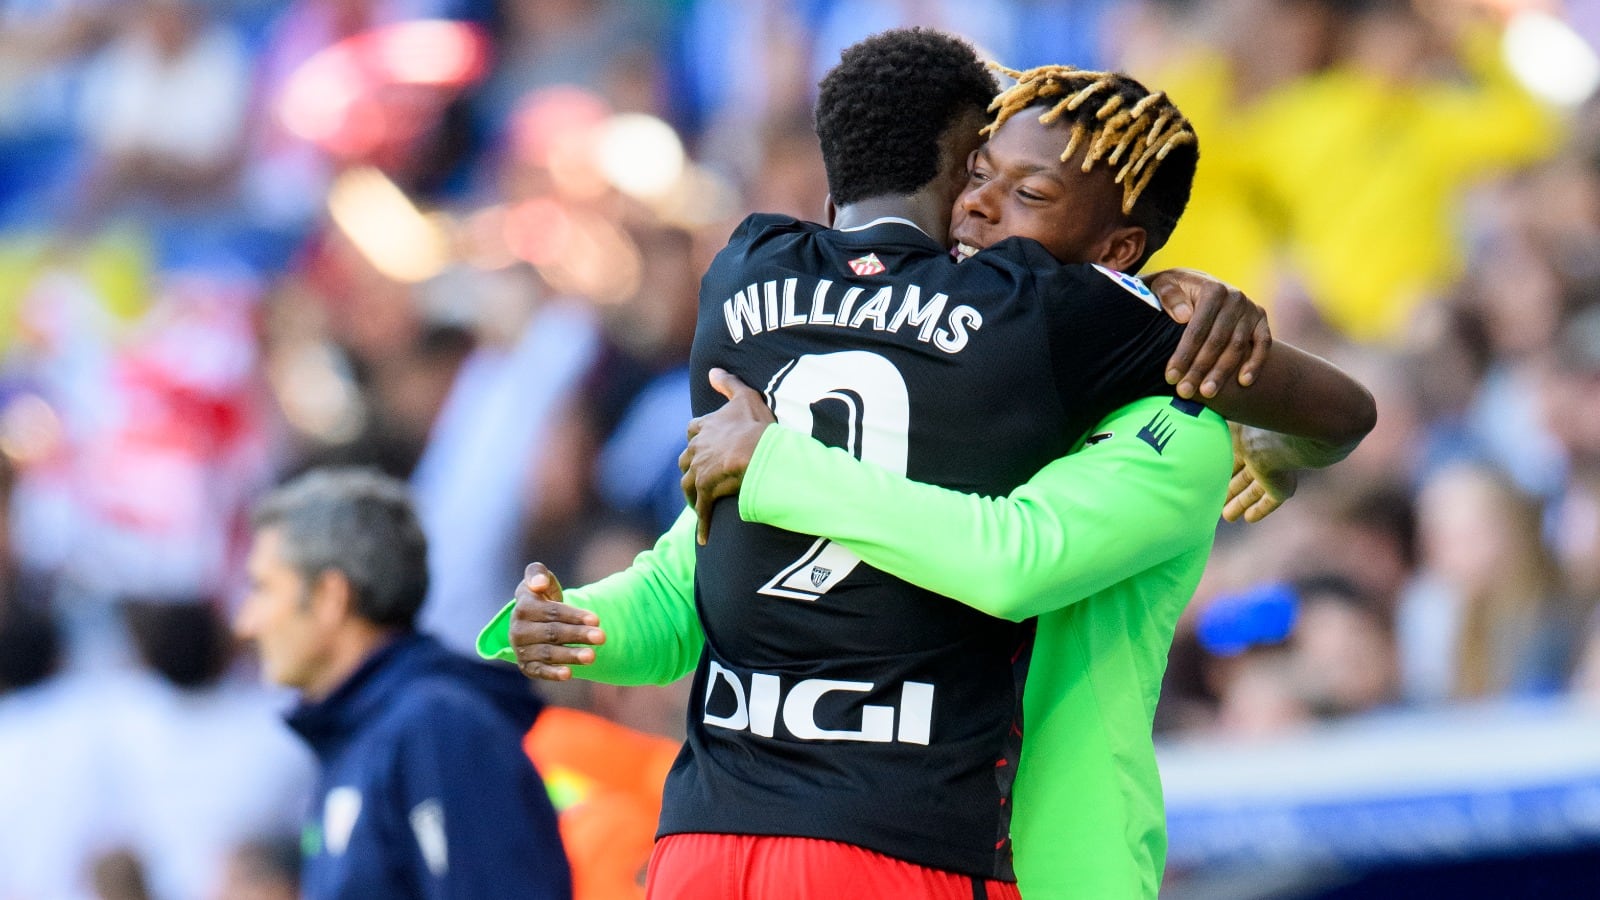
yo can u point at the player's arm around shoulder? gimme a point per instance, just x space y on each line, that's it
1146 486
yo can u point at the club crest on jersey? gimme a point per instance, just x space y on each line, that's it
1133 285
819 575
1158 432
868 265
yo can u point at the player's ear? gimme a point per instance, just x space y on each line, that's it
829 211
1122 248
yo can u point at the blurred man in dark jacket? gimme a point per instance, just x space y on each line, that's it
425 791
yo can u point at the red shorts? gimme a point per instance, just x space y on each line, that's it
754 867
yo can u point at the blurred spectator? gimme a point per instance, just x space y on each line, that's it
42 49
425 790
473 483
1570 415
792 181
741 66
1482 618
1284 654
1362 131
601 45
55 781
183 735
164 107
1372 157
120 876
1222 61
1372 541
263 869
637 468
1344 648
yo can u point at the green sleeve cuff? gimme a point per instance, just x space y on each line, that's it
772 442
494 641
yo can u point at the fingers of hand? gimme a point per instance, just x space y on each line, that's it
1173 299
703 504
687 483
724 383
1244 492
555 641
533 610
545 673
1249 496
527 633
1242 479
538 578
548 661
1202 342
1233 355
1219 337
1260 343
737 389
1261 509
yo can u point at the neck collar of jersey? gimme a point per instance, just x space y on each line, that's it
881 220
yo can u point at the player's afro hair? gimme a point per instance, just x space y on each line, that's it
882 111
1139 135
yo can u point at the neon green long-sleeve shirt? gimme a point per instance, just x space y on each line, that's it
1105 546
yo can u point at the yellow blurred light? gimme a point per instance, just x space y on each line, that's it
388 230
641 155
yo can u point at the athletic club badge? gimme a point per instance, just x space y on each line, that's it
868 265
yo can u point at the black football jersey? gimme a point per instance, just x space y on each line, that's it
835 701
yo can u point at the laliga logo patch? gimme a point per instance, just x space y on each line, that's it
1133 285
868 265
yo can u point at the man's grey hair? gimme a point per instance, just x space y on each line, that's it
361 524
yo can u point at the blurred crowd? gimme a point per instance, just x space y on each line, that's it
460 241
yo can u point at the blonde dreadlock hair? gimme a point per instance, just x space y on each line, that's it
1116 119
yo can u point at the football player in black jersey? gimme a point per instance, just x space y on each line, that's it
849 723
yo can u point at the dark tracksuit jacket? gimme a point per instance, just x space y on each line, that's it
425 791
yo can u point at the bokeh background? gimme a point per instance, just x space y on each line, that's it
460 240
